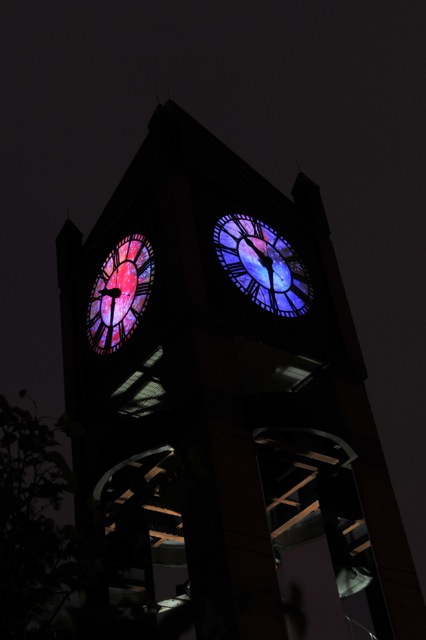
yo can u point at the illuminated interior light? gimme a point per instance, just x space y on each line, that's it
138 374
145 400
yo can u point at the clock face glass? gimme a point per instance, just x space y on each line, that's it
120 294
263 265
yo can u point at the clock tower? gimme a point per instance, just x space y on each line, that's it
210 353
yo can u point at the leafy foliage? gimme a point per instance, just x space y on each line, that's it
33 551
48 573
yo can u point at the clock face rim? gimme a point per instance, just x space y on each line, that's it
263 265
123 287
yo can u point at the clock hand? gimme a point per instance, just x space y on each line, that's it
108 340
111 312
112 293
277 274
267 262
257 251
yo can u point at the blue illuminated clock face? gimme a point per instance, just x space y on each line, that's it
263 265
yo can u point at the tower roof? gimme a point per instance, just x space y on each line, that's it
177 142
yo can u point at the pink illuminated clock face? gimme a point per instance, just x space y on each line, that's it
120 294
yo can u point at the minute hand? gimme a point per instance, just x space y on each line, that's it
265 261
257 251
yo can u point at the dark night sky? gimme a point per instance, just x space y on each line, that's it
338 87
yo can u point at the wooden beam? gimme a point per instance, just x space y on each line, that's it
124 496
297 518
153 472
151 507
165 536
353 526
276 501
302 465
361 547
110 528
158 543
285 495
285 446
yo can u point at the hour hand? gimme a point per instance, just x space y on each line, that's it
108 341
257 251
267 263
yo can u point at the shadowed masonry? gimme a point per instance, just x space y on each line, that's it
209 348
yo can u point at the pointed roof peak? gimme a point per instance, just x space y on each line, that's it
178 143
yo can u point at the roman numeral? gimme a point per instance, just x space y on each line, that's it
128 249
226 230
99 333
233 251
287 255
296 275
142 288
104 275
236 269
290 302
95 318
146 265
116 259
108 339
258 229
299 293
240 226
253 289
139 251
272 300
137 314
122 331
275 240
